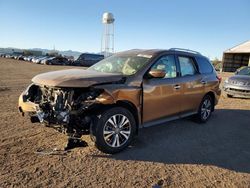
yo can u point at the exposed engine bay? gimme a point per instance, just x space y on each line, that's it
68 110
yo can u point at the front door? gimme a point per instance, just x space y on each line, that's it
161 95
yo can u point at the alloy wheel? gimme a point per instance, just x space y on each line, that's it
206 109
117 130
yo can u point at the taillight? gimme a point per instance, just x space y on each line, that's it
219 78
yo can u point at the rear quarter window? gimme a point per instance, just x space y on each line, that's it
204 65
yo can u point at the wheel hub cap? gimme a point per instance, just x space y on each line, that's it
117 130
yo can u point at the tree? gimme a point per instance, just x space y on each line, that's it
217 64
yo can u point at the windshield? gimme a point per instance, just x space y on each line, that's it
244 71
125 65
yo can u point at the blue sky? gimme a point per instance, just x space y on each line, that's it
207 26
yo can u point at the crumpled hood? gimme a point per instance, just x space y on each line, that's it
74 78
240 78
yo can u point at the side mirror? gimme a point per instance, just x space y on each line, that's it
156 73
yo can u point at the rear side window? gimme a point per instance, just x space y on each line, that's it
204 65
187 66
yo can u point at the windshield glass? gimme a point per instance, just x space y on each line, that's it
244 71
121 64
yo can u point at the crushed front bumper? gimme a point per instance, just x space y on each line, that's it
237 90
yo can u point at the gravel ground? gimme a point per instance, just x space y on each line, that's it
178 154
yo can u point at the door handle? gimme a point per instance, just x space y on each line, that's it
203 82
177 86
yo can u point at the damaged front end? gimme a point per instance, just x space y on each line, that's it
68 110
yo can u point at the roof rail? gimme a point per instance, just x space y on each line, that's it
185 50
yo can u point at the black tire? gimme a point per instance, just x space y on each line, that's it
229 96
205 109
104 124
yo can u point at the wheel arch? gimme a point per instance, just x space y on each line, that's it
120 103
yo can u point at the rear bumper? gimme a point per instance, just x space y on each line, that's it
237 91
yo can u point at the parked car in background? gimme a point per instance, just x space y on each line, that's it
239 84
115 97
25 58
7 56
10 56
20 57
58 61
88 60
39 59
29 58
35 58
44 61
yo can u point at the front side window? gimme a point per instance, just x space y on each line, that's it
166 63
187 66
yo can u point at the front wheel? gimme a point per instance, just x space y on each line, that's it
114 130
205 109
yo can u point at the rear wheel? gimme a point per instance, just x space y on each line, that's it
205 109
114 130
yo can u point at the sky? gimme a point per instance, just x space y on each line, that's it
209 27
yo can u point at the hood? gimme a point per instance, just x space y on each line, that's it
75 78
240 78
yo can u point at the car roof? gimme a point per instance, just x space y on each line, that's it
154 52
91 54
150 52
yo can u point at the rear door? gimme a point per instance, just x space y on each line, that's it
210 79
191 84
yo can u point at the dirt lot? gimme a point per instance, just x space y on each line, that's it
179 154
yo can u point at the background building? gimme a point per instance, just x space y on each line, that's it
236 57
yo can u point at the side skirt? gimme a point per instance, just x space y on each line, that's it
167 119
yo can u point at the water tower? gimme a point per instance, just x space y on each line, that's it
107 46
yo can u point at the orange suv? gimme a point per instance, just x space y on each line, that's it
112 99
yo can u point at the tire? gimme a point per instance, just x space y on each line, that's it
114 130
229 96
205 109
